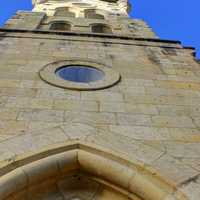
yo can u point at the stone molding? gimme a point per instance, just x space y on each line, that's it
47 73
4 32
129 178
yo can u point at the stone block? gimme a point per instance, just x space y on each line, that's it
128 108
102 96
142 132
178 85
9 83
173 169
8 114
90 117
19 92
76 105
133 119
78 131
58 94
45 115
170 121
196 121
41 104
12 127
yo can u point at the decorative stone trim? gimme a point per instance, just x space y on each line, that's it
47 73
128 178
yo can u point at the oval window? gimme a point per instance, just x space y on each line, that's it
80 73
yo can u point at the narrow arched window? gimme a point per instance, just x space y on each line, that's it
132 26
60 26
91 14
100 28
64 12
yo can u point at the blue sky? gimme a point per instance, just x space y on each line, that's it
171 19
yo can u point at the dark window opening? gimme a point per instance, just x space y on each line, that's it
91 14
64 12
101 28
132 26
169 51
61 26
110 1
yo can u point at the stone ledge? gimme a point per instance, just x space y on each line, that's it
106 41
101 35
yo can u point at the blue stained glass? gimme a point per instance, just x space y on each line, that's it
79 73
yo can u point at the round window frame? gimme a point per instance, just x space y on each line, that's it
111 77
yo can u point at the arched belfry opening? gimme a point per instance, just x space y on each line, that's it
60 26
101 28
80 172
63 12
92 14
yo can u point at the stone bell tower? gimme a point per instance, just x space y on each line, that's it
94 106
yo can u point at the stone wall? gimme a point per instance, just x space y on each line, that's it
151 116
25 20
119 25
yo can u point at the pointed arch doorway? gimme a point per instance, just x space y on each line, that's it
81 172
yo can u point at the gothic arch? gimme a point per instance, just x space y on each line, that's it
127 180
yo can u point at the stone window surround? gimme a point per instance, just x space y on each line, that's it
59 21
104 24
47 74
95 11
65 9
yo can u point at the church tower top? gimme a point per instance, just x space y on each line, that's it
118 7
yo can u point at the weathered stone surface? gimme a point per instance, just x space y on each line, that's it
117 142
168 121
149 121
37 115
90 117
76 105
